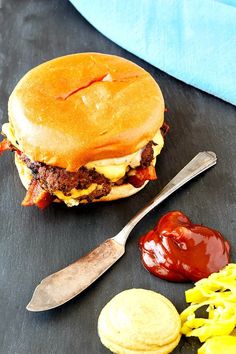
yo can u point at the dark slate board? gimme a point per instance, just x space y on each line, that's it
34 244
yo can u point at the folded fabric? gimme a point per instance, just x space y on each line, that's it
194 41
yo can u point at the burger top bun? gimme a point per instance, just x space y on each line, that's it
85 107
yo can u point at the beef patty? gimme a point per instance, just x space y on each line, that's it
53 178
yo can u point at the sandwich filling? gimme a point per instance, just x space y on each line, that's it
91 182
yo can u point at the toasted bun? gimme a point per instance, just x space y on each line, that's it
117 192
85 107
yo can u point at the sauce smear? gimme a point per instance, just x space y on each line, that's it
178 250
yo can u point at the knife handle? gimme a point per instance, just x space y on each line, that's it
201 162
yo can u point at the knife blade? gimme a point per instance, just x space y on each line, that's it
65 284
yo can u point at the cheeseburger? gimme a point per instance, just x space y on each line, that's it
84 128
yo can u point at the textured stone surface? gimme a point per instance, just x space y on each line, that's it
34 244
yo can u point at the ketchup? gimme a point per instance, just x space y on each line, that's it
177 250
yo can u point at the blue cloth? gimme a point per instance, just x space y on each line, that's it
192 40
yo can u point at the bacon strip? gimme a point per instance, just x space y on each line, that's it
142 175
37 196
165 129
5 145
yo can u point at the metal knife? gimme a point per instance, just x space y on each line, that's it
62 286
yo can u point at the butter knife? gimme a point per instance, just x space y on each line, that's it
62 286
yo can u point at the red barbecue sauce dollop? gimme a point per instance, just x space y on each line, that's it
178 250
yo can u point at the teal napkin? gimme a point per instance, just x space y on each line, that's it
192 40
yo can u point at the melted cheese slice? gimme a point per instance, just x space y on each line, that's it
112 172
114 168
70 200
7 130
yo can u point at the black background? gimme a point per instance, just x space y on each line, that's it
34 244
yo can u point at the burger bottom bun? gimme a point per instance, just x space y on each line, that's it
117 192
